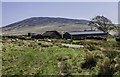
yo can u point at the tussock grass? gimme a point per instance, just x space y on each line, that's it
44 57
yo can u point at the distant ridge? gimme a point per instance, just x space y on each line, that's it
37 22
42 21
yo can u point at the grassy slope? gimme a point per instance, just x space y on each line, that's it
29 58
42 29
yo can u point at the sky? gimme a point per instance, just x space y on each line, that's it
60 0
0 15
17 11
119 12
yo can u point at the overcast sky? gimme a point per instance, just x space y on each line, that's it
16 11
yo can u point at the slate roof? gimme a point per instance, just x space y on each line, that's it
49 33
86 32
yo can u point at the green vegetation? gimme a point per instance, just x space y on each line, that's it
111 39
43 57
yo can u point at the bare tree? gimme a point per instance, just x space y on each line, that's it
101 23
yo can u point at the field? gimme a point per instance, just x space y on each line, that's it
50 57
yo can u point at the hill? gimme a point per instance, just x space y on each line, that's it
42 24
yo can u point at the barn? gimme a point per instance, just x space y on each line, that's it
35 36
52 35
84 34
38 36
32 34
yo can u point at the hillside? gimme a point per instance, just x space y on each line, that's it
42 24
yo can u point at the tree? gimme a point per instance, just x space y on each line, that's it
101 23
118 31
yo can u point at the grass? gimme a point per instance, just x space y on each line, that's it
111 39
31 57
20 59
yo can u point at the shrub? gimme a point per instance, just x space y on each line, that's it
64 67
92 47
76 42
67 41
61 58
3 49
90 61
110 53
106 68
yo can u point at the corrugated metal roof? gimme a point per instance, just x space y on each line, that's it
86 32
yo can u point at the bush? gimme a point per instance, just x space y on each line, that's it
64 67
110 53
61 58
77 42
67 41
106 68
90 61
92 47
